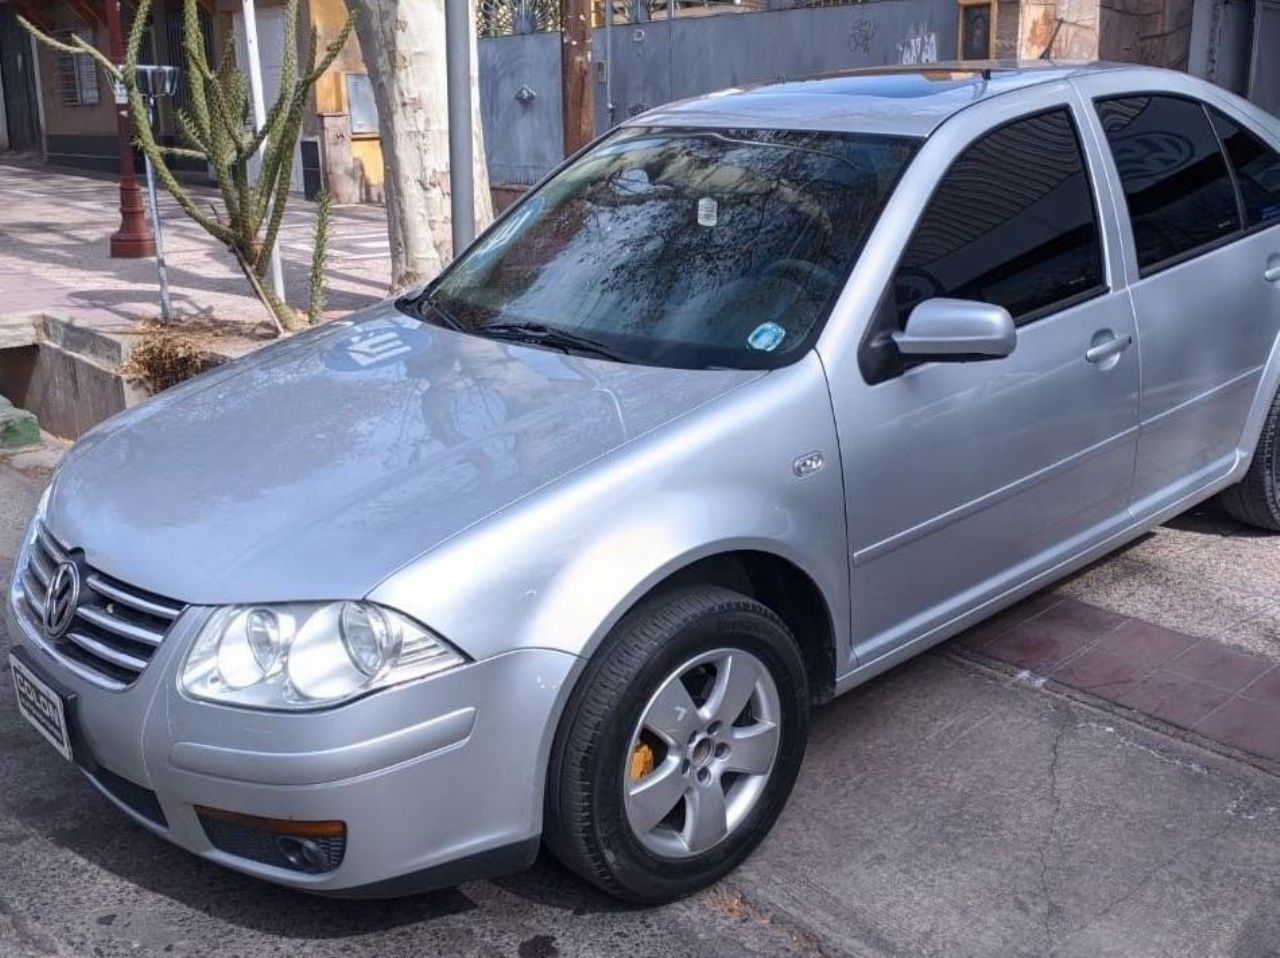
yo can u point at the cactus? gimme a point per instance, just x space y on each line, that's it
213 127
319 254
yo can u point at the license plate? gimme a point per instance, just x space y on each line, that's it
42 707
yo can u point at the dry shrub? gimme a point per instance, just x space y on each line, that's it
163 357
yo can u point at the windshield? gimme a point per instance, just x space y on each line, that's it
682 248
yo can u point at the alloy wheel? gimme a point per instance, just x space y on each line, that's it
702 752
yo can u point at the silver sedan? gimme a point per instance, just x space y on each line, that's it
764 393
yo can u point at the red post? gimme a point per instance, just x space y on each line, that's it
133 240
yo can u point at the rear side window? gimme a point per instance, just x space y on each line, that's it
1179 191
1257 169
1012 223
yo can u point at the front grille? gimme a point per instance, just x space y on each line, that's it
116 628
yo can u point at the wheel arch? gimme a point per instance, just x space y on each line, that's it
769 578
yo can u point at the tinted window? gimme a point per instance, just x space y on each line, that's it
1013 223
1257 169
1175 177
682 247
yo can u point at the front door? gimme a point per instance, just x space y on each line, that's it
17 79
966 479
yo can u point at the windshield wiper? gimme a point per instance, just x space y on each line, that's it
538 334
445 318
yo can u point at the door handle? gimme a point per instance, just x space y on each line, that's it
1096 354
1272 274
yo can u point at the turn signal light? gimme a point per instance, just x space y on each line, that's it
279 826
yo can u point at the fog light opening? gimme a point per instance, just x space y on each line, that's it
302 853
301 846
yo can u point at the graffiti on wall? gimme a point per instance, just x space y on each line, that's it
919 46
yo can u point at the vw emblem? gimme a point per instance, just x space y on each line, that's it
61 601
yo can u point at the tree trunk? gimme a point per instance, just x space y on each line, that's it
402 42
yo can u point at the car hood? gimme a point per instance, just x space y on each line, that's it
316 467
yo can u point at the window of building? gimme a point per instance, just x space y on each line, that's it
1257 168
1176 183
77 75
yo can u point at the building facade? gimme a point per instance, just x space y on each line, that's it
644 52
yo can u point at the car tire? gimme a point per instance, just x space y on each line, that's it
600 775
1255 500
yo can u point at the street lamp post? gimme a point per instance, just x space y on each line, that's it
457 59
133 240
258 101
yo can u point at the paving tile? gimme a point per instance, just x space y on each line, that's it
1101 671
1265 689
1247 724
1177 601
979 635
1221 665
1173 698
1061 631
1147 644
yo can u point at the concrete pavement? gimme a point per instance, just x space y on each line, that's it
952 807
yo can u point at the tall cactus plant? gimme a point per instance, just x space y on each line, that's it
214 127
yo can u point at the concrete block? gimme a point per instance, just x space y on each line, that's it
84 340
71 393
18 330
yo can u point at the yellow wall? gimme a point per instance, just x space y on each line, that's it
331 91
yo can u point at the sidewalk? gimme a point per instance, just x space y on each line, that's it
54 231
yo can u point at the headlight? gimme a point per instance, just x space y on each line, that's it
32 529
309 655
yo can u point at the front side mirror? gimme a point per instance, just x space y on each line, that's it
957 330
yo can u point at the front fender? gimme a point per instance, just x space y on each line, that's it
558 569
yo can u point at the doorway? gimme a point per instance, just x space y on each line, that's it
18 80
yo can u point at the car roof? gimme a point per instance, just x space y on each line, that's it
907 101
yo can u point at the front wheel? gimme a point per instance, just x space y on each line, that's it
679 745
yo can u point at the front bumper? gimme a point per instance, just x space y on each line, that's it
437 780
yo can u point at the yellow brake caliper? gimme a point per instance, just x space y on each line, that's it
642 761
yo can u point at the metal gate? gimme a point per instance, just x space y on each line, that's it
1264 81
17 77
650 52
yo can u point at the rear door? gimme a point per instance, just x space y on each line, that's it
1205 290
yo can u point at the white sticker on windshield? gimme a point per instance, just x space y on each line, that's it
708 211
766 337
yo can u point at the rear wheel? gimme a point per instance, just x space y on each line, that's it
1255 500
679 745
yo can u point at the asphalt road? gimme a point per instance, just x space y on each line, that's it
944 809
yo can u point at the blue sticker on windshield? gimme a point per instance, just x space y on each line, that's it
766 337
377 343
